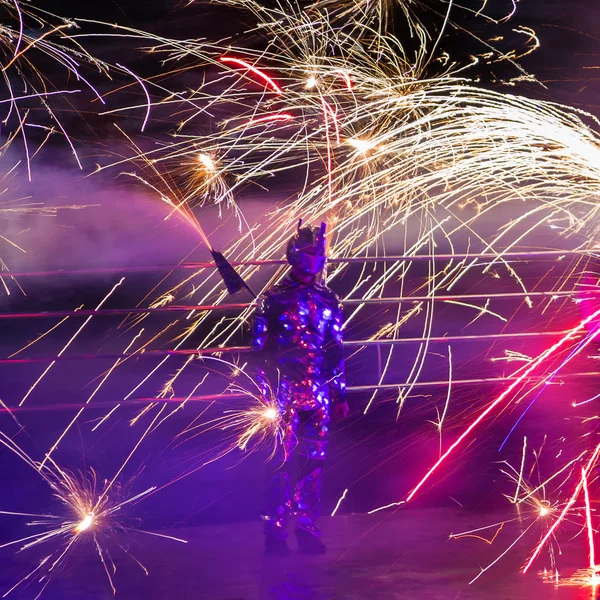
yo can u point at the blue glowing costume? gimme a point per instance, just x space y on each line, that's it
297 339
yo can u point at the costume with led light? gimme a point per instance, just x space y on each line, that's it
297 339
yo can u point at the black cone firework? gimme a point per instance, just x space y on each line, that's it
231 277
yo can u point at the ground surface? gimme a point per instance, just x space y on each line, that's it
404 555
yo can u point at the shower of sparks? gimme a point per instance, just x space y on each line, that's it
47 76
41 36
69 342
386 137
507 393
390 138
568 506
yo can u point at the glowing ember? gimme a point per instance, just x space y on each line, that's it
270 413
85 523
363 146
311 82
206 161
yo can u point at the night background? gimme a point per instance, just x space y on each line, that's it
107 224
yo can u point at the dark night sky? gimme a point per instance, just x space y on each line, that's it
567 61
566 28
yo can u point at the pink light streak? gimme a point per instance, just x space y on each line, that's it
252 69
502 396
588 519
329 111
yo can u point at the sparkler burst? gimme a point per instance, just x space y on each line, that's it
257 422
543 507
420 26
94 514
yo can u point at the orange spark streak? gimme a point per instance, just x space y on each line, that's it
479 537
502 396
258 72
277 117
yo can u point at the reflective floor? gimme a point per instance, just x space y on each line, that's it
402 555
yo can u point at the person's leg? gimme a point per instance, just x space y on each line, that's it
311 451
279 502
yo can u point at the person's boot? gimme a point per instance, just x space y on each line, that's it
309 543
276 546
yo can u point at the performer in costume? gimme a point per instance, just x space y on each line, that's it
297 339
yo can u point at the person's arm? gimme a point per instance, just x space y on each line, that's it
335 361
262 357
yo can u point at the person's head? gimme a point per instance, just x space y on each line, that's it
306 250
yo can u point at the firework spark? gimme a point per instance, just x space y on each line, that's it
94 514
385 140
